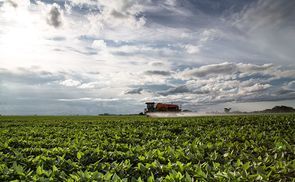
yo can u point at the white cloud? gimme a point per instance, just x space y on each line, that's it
70 83
213 69
92 85
257 24
291 85
81 2
99 44
121 13
191 49
171 2
228 68
124 6
90 99
209 34
257 87
134 91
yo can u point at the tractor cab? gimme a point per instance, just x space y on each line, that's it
150 107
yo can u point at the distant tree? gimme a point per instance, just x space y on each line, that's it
104 114
227 110
186 110
279 109
141 113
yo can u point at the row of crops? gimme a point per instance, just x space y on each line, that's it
136 148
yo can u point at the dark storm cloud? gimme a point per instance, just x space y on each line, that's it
157 72
54 17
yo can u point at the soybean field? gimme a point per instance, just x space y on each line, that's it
138 148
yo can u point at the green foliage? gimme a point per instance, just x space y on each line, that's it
136 148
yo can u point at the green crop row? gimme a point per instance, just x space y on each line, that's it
137 148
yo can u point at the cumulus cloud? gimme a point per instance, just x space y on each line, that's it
223 68
124 6
226 68
121 13
54 17
257 87
226 82
253 68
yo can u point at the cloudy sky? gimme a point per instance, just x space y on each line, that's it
97 56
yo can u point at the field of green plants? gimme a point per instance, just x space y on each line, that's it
137 148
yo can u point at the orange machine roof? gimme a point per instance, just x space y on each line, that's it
167 105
